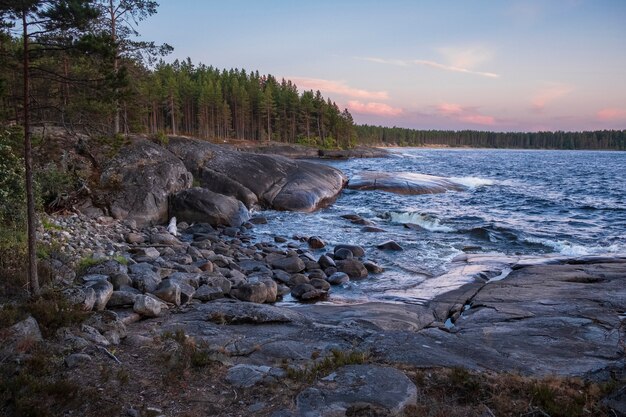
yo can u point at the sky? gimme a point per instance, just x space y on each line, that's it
499 65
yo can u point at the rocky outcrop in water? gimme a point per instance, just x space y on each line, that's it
259 180
402 183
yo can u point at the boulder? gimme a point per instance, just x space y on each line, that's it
168 291
338 278
390 245
353 267
326 261
343 253
255 292
102 292
356 250
137 182
315 242
289 264
82 298
206 293
109 267
259 180
403 183
306 292
373 268
147 306
148 254
121 299
370 389
202 205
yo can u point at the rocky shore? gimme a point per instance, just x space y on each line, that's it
185 319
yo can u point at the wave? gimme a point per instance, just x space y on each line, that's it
425 221
471 182
567 248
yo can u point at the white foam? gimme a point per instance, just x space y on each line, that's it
471 182
423 220
570 249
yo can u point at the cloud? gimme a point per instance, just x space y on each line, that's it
379 109
464 114
460 60
549 94
337 87
611 114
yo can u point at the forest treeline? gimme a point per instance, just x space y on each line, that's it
396 136
114 84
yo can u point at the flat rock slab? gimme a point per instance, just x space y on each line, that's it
376 389
403 183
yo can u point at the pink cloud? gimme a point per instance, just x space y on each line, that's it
549 94
464 114
338 87
611 114
379 109
479 119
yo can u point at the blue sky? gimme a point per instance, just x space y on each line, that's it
487 65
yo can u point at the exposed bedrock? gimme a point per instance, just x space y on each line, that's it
403 183
137 182
259 180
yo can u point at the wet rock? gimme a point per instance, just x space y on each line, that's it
390 245
343 253
326 261
306 292
402 183
315 242
372 229
338 278
356 250
317 273
353 267
320 284
258 220
373 390
372 267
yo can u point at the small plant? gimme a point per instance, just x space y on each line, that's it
184 355
48 225
335 360
120 259
87 262
53 311
161 138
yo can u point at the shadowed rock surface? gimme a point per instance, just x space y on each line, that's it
204 206
259 180
138 180
402 183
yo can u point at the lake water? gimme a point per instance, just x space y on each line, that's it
516 202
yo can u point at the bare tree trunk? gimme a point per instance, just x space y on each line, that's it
28 162
116 103
173 115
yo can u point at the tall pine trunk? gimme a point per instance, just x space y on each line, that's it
28 162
